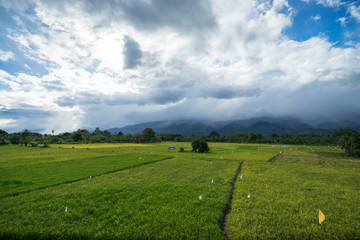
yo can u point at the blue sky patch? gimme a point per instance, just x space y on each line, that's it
316 20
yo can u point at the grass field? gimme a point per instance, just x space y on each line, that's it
145 191
287 193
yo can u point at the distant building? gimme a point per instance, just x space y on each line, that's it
171 147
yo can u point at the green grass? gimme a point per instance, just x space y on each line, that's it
12 156
157 196
156 201
335 159
19 179
286 195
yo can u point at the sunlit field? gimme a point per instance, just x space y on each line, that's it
287 193
146 191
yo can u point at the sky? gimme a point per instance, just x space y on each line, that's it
66 65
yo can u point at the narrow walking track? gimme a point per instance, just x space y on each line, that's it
228 205
274 158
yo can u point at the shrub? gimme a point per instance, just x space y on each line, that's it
200 145
46 143
351 144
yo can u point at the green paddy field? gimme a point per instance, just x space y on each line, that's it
145 191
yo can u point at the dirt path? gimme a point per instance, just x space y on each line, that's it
228 205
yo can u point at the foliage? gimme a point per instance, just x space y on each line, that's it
148 134
46 143
200 145
351 144
77 136
169 137
252 137
4 137
14 138
214 134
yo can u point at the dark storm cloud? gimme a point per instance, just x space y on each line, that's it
229 92
326 99
150 97
154 96
353 80
316 100
23 113
20 119
166 91
54 87
184 15
132 53
81 98
165 96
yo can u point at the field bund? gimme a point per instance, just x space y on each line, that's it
145 191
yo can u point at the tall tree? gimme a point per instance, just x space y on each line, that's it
351 144
148 134
214 134
4 137
25 137
200 145
97 131
77 136
252 137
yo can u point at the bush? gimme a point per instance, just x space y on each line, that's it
14 139
351 144
34 144
4 137
181 149
179 139
45 143
200 145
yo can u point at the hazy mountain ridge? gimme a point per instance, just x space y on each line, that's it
264 125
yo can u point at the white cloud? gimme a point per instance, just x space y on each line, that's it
7 123
343 21
330 3
316 18
354 12
5 56
108 66
327 3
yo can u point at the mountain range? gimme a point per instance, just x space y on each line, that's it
265 125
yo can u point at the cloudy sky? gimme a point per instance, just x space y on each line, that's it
66 65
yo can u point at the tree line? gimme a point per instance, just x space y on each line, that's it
346 138
28 138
